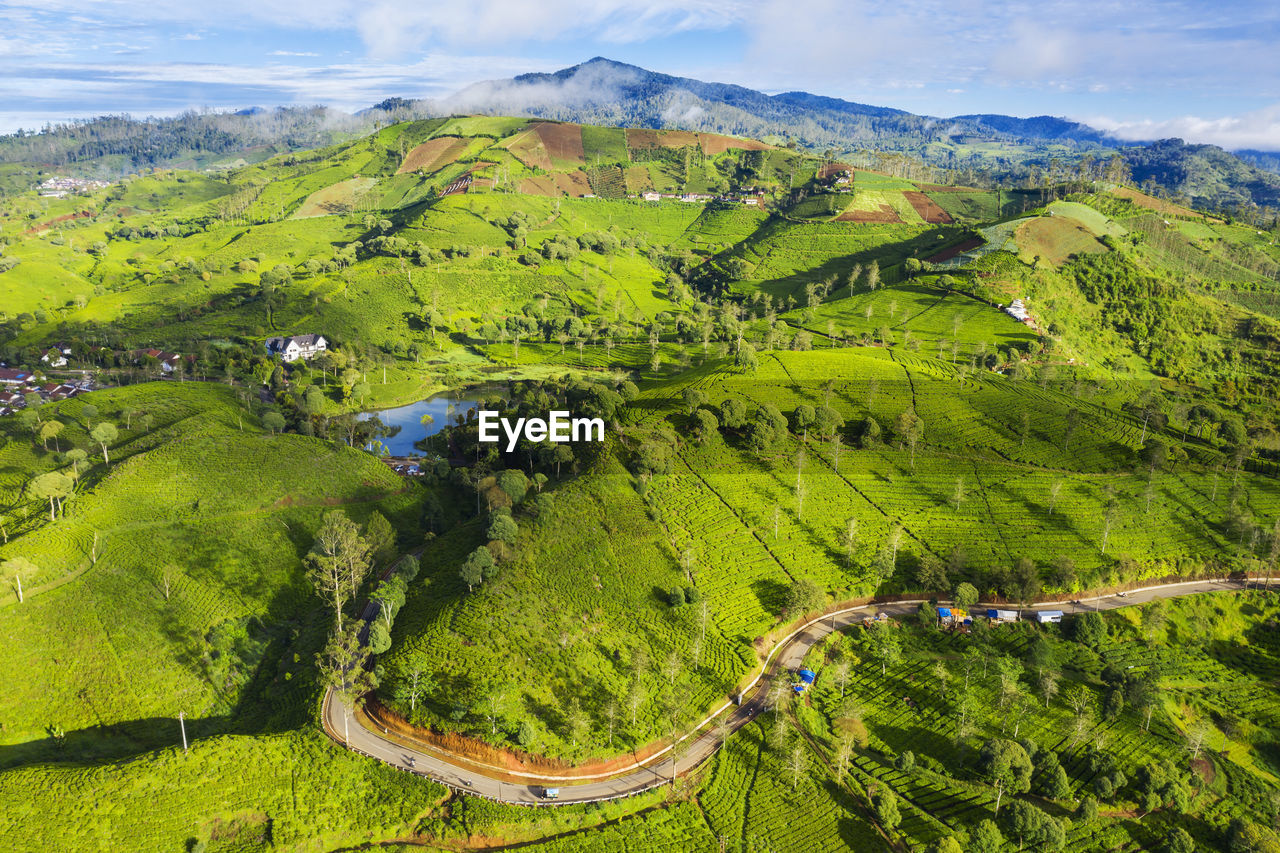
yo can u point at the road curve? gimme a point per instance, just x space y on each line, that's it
471 777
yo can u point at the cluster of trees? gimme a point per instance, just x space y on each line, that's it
389 595
1015 766
153 142
504 492
58 485
344 554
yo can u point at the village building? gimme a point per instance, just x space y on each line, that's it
13 376
303 347
1018 311
54 358
169 361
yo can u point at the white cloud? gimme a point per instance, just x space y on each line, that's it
392 27
292 53
81 90
1258 129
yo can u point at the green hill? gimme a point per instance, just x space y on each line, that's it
815 392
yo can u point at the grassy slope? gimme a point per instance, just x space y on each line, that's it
226 515
134 657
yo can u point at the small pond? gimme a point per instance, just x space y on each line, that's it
442 408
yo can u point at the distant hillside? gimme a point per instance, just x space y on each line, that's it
1205 174
1268 160
118 145
604 92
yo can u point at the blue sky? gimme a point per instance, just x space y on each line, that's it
1205 71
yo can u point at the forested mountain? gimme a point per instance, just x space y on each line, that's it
120 144
603 92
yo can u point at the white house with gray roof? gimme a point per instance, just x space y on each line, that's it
296 347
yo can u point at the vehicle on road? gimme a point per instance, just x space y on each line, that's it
550 793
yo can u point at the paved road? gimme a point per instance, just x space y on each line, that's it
472 777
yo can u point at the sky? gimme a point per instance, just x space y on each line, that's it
1143 69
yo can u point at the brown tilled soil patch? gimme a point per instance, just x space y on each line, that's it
527 147
927 208
678 138
832 169
1203 768
715 143
884 215
958 249
82 214
459 185
560 183
563 142
642 137
433 154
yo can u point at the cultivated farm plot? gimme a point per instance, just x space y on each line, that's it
548 146
926 208
1056 239
876 205
338 198
754 803
572 184
433 154
1161 206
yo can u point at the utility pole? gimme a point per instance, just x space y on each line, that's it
182 722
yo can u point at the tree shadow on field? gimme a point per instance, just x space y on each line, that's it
260 670
1040 511
112 742
659 595
771 594
921 740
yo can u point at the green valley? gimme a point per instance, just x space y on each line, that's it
822 386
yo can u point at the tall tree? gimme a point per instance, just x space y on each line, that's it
1006 766
343 663
104 434
54 487
339 561
15 568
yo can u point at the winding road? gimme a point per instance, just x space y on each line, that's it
468 776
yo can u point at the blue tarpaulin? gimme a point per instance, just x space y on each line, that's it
807 676
944 612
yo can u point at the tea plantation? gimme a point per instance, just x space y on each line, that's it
820 384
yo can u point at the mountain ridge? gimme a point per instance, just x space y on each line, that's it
606 92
